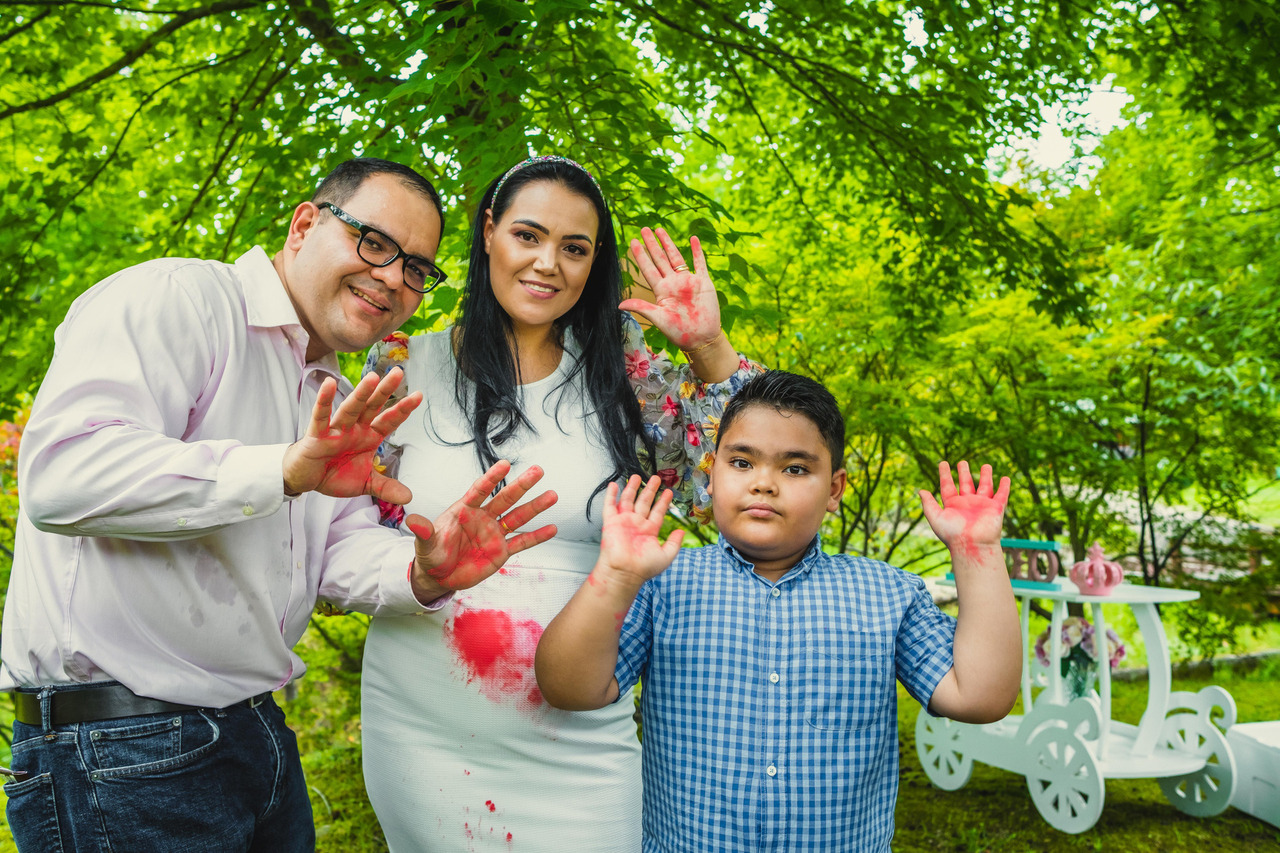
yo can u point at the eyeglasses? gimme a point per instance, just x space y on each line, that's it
379 250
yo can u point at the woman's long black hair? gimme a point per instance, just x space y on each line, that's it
486 385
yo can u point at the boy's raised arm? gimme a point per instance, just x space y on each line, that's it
983 683
578 651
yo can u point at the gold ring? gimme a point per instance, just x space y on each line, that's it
503 524
683 268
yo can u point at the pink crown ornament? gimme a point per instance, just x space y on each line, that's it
1096 575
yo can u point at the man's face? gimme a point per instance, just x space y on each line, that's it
345 303
771 485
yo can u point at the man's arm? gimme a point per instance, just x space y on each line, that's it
578 651
983 683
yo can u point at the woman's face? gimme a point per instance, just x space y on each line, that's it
540 253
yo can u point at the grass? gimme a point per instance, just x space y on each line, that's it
993 813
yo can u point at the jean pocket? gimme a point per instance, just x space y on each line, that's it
848 678
33 815
140 746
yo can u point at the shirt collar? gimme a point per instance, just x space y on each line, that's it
812 555
267 303
268 306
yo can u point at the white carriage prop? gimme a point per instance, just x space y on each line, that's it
1067 749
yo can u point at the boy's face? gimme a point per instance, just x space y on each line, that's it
771 485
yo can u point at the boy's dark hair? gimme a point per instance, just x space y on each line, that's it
343 182
790 392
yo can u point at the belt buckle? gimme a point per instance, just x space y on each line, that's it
255 701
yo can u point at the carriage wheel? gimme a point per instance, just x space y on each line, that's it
1064 781
1207 791
938 745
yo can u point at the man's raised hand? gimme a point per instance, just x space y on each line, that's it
336 456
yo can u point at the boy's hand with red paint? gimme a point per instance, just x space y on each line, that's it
630 544
579 649
969 519
986 669
472 539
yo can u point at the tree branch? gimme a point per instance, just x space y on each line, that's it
24 26
128 58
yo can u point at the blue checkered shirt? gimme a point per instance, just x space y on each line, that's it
770 709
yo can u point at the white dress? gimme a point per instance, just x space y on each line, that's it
460 751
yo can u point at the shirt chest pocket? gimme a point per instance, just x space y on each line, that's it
848 679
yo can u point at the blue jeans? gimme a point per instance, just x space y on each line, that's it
204 781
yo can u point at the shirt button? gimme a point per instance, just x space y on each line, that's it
299 564
248 510
773 676
182 522
776 592
771 770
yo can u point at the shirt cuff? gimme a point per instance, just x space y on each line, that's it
251 480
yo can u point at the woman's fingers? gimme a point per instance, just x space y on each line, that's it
651 273
699 259
639 306
512 492
672 253
523 514
525 541
483 487
658 256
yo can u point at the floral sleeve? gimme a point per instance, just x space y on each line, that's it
681 415
391 351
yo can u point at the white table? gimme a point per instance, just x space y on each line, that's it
1067 749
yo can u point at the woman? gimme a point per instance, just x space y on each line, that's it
460 751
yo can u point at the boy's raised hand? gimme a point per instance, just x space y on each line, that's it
630 543
970 519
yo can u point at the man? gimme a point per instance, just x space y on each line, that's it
188 492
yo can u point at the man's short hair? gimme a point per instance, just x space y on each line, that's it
343 182
790 392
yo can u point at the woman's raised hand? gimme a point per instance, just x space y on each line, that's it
686 309
474 537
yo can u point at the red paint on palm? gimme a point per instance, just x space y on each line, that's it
980 516
496 651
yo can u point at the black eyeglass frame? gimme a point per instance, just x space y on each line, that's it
429 266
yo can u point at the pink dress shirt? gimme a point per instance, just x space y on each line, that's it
155 546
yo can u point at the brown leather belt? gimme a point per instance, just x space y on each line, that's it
91 704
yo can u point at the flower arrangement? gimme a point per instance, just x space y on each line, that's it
1076 646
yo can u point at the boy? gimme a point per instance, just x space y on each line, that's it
769 703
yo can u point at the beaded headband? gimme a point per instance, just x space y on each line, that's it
545 158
